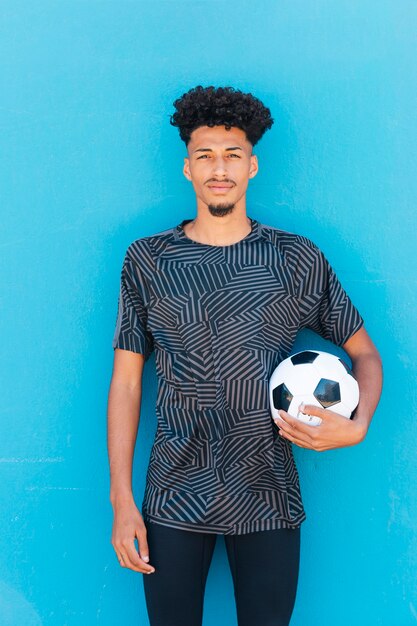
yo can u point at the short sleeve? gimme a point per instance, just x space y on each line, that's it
324 305
131 332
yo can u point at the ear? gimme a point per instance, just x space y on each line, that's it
186 168
253 170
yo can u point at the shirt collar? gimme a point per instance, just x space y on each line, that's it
254 235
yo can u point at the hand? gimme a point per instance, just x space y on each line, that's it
335 431
128 524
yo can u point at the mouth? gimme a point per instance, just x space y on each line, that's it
220 187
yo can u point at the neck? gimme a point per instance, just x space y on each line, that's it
218 230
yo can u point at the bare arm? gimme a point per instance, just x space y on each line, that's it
367 369
124 401
123 413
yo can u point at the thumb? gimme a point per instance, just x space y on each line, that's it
143 546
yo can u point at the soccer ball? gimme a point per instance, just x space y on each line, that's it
313 377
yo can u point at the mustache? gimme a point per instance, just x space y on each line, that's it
224 180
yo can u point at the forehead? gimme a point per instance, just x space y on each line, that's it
218 137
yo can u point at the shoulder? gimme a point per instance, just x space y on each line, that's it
144 251
293 247
151 242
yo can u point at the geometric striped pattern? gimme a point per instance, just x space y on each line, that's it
219 320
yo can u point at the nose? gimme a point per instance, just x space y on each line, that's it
219 166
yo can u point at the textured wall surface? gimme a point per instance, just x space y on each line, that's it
89 163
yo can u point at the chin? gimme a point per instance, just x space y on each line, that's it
221 209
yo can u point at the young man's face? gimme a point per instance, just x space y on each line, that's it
219 165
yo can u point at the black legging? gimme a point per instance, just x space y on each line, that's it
264 567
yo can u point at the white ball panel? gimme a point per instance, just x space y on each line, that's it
281 372
342 409
328 366
302 379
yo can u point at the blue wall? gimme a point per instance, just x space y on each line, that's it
90 163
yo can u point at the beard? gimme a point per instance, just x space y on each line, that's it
220 210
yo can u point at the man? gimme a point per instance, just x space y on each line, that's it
220 299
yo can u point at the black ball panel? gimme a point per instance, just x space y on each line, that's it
282 397
304 357
327 393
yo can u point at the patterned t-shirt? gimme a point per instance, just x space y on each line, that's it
219 320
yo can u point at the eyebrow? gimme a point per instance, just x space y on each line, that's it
210 150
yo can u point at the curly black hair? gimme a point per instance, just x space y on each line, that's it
221 106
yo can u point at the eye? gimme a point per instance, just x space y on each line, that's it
234 155
203 156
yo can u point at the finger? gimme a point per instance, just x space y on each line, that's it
292 424
125 560
287 419
299 442
283 425
143 546
325 414
136 561
311 409
129 560
308 446
297 436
